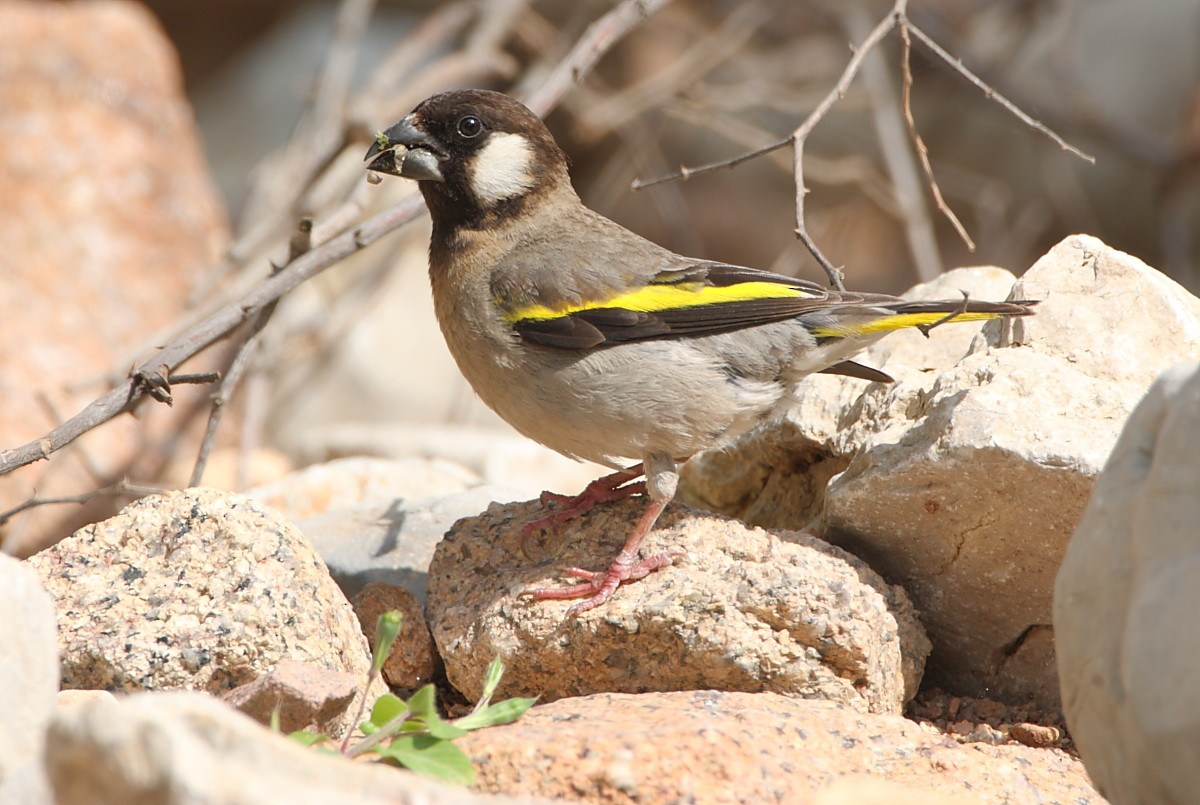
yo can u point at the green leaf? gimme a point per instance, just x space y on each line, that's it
387 707
423 705
491 681
424 701
431 757
307 737
505 712
387 627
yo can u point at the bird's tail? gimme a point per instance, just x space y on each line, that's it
860 320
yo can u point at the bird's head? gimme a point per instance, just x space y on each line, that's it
478 155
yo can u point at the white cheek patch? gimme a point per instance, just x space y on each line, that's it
502 168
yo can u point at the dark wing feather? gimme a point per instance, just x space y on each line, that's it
606 326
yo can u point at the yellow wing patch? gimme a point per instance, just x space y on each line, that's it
885 324
659 298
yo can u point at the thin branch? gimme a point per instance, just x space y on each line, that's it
281 177
894 148
112 490
597 40
301 242
816 115
217 326
684 173
919 141
992 94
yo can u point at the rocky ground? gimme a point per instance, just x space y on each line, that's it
946 590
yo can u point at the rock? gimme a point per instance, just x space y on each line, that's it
712 746
306 697
971 719
862 790
108 216
197 590
28 665
28 784
231 468
413 660
177 748
361 481
378 520
1124 602
963 480
745 610
78 698
496 453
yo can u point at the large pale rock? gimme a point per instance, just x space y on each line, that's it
1125 603
189 749
197 590
107 216
28 665
964 480
745 610
721 747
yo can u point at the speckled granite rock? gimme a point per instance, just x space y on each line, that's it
196 589
745 610
722 747
378 520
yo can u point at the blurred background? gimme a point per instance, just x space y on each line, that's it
287 95
704 80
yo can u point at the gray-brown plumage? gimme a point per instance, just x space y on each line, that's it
598 343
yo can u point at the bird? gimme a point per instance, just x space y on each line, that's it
599 343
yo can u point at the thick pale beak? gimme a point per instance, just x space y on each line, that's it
404 150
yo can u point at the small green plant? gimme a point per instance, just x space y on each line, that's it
412 733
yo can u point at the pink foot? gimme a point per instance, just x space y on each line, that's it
603 490
599 586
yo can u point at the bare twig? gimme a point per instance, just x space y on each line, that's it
800 135
597 40
301 243
894 148
992 94
919 142
210 330
686 173
897 17
112 490
707 53
281 178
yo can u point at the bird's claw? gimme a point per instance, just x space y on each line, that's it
598 586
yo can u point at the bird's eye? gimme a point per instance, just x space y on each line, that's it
470 127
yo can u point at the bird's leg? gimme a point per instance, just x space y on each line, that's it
611 487
599 586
